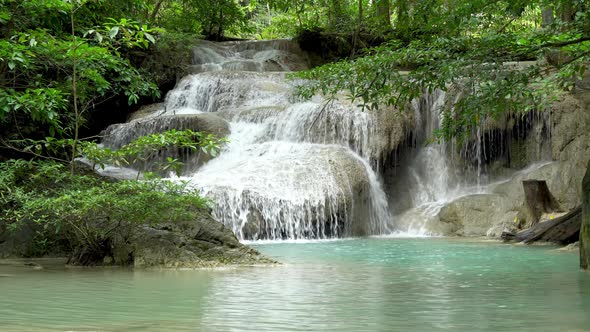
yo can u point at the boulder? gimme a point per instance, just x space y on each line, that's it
117 135
475 215
146 111
491 214
563 180
203 242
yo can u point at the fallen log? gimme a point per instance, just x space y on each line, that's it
564 229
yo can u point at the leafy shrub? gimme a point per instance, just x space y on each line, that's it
89 213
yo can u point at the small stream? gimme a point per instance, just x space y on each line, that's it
373 284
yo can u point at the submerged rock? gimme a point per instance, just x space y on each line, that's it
34 266
572 247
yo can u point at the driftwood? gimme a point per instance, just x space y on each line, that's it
537 200
564 229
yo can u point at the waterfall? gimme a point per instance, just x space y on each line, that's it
438 173
292 169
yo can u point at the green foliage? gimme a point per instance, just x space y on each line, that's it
86 212
39 53
124 35
42 105
141 152
474 61
220 16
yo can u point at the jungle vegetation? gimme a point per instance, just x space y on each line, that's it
64 62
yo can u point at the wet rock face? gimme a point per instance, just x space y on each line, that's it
570 134
21 242
474 215
147 122
292 168
490 214
570 148
120 134
263 55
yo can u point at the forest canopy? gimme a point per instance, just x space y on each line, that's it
61 60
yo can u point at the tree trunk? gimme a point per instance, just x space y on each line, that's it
338 15
77 117
154 13
567 11
547 16
585 230
357 31
402 25
537 200
384 13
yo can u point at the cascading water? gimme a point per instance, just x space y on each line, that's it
291 169
430 176
435 176
307 169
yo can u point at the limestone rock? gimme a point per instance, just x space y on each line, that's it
572 247
392 128
491 214
19 242
193 244
203 242
475 215
145 111
120 134
570 134
563 179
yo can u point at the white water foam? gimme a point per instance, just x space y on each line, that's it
291 170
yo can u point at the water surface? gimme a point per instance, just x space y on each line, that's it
378 284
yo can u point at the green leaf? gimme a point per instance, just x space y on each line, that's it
150 37
114 31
